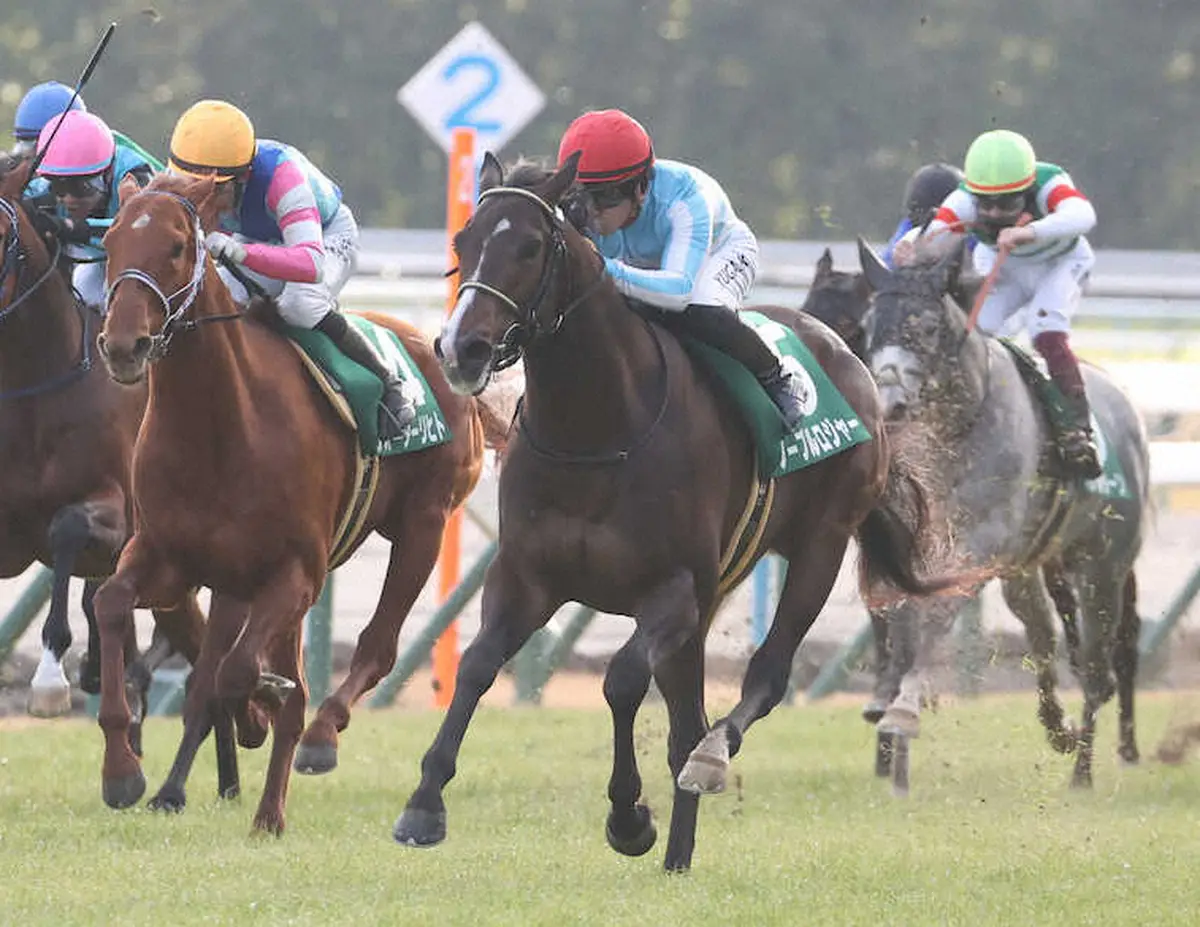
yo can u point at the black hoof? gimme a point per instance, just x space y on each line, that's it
419 828
229 792
169 798
89 676
873 711
1129 755
124 793
641 842
315 759
273 690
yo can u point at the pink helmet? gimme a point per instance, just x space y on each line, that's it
84 145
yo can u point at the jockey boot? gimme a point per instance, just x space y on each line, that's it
719 327
1075 441
399 409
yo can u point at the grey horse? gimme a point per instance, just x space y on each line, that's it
1054 542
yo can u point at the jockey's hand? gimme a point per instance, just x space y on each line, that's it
220 246
74 231
1014 236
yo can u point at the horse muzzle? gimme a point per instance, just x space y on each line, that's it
467 364
126 362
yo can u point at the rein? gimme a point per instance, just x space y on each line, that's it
173 321
14 258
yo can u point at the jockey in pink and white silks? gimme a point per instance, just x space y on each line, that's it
284 225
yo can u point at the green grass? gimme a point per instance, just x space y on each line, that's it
991 834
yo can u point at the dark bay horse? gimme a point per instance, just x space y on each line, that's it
1056 544
66 440
243 472
623 484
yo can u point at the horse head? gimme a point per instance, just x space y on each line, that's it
841 300
156 267
25 245
914 332
514 261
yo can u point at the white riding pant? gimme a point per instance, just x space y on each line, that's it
305 304
88 281
1050 290
727 274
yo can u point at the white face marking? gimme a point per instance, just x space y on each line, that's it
141 221
466 298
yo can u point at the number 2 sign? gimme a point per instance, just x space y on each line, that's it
472 83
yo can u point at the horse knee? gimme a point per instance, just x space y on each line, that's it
70 529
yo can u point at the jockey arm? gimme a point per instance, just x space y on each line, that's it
686 247
300 259
1066 212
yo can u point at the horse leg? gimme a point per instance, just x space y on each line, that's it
1066 603
409 566
139 572
1027 598
72 530
289 724
804 592
629 829
227 617
887 684
915 627
511 611
1125 666
1101 598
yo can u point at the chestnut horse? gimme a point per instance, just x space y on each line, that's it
243 472
66 440
623 483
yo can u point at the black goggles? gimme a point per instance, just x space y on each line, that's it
78 187
1004 202
606 196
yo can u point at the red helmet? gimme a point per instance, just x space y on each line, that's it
615 146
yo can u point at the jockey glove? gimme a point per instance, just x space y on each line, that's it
220 246
68 231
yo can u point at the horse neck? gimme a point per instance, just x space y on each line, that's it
963 373
42 337
207 367
596 383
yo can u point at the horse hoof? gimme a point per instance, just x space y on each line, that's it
49 701
315 759
900 722
125 791
169 799
641 842
706 766
229 792
1129 756
417 827
89 678
873 711
1081 781
268 825
1062 741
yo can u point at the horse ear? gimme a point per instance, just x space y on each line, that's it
491 174
824 265
127 188
203 194
556 186
951 266
875 271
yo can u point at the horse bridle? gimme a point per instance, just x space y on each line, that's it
173 318
12 259
528 326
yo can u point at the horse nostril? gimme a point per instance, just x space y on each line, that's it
477 351
437 348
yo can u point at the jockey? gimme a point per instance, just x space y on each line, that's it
83 165
39 105
284 222
1049 261
923 194
670 239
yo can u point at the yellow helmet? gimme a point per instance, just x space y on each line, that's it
212 138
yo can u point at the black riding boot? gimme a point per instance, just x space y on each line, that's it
720 328
400 409
1076 443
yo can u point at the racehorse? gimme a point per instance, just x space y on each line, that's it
625 480
841 300
66 439
1056 544
243 475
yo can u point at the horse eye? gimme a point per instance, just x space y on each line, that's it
529 249
177 250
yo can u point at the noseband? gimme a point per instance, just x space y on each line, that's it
528 326
189 291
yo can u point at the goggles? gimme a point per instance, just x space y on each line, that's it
78 187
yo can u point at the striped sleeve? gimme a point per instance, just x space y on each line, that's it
687 245
301 257
1066 211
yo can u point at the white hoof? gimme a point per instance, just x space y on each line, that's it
49 701
705 769
901 721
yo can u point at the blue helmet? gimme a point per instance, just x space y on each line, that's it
41 104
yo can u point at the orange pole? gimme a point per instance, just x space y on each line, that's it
460 200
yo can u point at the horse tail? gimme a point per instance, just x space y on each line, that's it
892 537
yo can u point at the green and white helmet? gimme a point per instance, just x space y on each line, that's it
1000 162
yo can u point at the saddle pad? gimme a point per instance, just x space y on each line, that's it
363 390
1111 484
830 425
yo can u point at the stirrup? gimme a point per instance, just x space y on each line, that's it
1078 451
782 390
